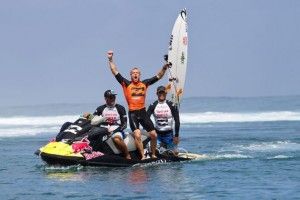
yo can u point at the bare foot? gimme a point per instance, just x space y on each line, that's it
128 157
153 156
143 158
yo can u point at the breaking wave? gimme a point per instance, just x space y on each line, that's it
28 126
32 125
216 117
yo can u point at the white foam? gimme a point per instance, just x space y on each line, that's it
280 157
269 146
225 156
28 126
32 125
215 117
26 131
230 156
62 168
39 120
205 117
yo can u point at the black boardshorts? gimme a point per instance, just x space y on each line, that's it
140 117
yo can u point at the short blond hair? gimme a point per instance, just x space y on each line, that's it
135 68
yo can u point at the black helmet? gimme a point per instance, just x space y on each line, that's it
109 93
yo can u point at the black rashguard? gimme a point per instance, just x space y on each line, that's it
115 115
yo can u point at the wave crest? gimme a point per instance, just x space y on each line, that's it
216 117
32 125
28 126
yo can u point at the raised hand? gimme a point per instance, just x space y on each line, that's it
110 54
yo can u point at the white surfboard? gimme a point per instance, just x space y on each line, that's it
177 55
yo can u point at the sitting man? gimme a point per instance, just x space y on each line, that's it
113 117
165 113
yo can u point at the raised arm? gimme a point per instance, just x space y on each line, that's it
161 73
111 63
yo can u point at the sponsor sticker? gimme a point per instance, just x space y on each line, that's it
185 40
170 43
92 155
182 58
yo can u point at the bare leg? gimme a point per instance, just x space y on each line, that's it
138 142
153 137
121 146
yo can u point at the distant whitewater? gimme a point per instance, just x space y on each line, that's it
33 120
215 117
31 125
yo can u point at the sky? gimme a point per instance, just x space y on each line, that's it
55 51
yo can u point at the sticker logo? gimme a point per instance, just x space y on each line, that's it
170 42
182 58
104 138
185 40
94 154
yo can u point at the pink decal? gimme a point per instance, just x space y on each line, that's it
92 155
185 40
80 146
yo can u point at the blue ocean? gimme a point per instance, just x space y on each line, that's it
251 148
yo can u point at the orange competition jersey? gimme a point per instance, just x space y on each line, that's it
135 93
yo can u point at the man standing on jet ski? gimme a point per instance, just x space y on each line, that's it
113 117
165 113
135 94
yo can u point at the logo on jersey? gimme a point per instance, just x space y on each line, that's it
137 91
111 116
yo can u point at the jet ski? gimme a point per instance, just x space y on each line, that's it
88 145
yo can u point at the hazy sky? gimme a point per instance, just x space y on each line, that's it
55 51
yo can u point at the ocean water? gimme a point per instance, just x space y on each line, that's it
252 148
